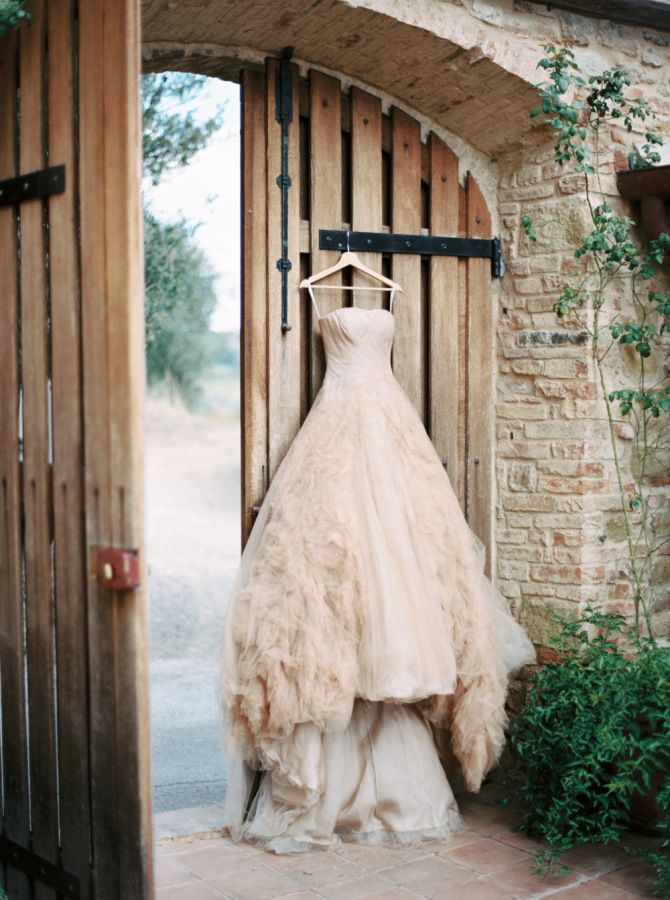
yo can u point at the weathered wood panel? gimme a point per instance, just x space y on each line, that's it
480 378
326 201
15 825
35 373
284 376
67 481
366 187
95 364
253 331
409 358
446 300
113 378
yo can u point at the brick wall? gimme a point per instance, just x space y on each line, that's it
559 531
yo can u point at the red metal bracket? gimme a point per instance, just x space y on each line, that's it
118 570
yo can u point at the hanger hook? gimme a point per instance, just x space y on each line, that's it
347 241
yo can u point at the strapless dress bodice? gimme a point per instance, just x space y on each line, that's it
357 343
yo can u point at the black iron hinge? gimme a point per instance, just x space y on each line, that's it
422 244
41 869
284 115
33 185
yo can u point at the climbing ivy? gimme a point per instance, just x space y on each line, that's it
12 13
580 112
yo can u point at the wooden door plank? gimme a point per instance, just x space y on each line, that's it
113 376
253 332
408 345
100 619
446 301
480 421
325 201
284 375
366 187
67 486
126 385
463 350
14 726
36 457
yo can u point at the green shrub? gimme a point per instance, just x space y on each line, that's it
593 735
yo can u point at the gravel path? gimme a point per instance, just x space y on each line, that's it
193 547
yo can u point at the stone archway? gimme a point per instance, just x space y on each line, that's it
433 57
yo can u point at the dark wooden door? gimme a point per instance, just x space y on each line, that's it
75 726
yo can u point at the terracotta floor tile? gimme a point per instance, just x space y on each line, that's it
521 880
480 888
258 882
520 840
213 861
180 844
376 858
396 893
357 888
199 890
596 859
169 871
485 856
594 890
637 877
425 876
300 895
315 868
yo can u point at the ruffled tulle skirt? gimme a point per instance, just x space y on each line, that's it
360 620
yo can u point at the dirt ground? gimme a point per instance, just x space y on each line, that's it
193 548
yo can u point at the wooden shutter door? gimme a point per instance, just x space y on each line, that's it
75 739
354 166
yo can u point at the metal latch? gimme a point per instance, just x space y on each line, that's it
118 570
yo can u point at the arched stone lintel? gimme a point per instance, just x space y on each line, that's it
226 62
433 56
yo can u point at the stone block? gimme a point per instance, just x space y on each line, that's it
651 58
537 621
614 526
522 409
511 535
527 192
558 574
556 485
551 338
522 476
509 589
576 29
565 368
535 589
519 266
566 388
510 449
558 520
572 184
513 569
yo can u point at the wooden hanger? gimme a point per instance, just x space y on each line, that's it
349 258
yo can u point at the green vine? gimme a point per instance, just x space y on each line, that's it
577 110
12 14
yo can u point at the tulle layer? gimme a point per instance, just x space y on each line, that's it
379 780
362 578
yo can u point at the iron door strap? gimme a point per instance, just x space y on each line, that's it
284 115
32 185
40 869
421 244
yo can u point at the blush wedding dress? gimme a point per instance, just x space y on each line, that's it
359 621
